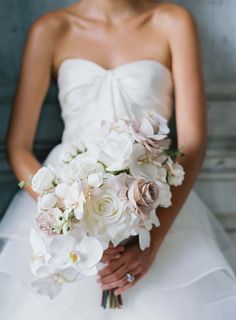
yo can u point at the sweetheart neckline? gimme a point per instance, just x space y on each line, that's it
122 65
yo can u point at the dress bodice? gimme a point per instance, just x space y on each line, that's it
89 93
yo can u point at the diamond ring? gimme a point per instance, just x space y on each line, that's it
130 277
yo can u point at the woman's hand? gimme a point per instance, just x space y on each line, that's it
133 260
112 253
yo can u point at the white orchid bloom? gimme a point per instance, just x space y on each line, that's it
52 284
40 254
82 254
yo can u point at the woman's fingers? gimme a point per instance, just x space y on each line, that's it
115 284
109 257
122 281
112 253
114 250
128 285
114 276
111 267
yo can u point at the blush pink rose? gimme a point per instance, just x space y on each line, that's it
143 194
45 223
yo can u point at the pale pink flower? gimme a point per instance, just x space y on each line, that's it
45 223
143 194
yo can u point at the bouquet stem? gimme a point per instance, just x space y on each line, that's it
110 300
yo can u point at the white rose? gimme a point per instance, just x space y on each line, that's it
81 167
43 180
114 151
107 212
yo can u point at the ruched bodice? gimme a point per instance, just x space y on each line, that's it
89 93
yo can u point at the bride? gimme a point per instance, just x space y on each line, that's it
116 59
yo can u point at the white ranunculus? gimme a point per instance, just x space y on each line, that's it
114 151
47 201
108 215
43 180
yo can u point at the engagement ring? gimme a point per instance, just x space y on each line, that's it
130 277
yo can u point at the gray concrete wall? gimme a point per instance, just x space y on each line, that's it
217 27
217 181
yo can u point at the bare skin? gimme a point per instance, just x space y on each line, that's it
112 33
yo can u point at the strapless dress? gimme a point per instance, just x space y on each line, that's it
193 275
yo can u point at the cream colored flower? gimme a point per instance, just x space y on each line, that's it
44 180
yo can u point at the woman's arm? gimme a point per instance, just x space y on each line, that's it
191 133
190 114
33 83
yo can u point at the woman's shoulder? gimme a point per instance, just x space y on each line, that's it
174 14
50 24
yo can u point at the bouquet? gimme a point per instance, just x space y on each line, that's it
108 189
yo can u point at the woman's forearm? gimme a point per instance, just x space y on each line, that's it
24 164
192 163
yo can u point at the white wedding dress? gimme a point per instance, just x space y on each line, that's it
193 275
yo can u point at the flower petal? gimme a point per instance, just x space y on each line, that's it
91 251
144 238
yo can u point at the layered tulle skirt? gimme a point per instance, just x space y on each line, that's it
192 277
